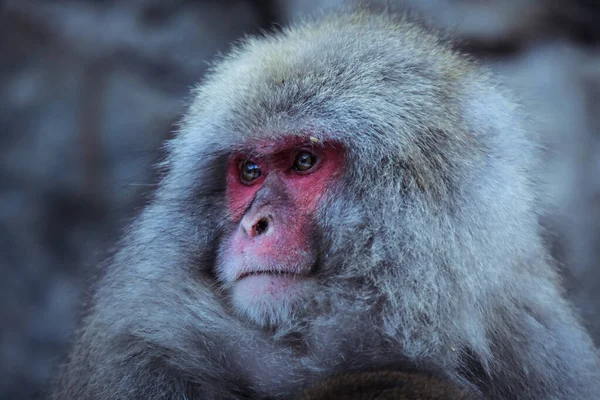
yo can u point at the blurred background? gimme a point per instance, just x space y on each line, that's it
89 89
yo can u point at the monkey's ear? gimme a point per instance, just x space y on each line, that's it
388 385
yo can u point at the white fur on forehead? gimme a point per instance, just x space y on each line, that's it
295 80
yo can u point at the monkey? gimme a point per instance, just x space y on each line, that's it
347 195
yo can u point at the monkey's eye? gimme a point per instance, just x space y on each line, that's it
249 171
304 161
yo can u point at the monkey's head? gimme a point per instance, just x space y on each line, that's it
359 159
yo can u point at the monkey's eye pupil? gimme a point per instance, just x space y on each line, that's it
304 161
249 171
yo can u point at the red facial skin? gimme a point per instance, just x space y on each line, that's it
288 200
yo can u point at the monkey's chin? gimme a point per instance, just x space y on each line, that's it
269 299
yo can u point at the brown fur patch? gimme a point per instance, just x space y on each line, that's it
387 385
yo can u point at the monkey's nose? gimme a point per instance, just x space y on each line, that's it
257 225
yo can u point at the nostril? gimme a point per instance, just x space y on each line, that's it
261 226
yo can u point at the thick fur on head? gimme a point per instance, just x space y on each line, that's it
430 247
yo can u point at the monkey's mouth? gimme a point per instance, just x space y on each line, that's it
274 273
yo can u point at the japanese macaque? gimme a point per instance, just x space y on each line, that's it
346 196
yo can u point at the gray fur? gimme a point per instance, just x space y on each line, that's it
431 250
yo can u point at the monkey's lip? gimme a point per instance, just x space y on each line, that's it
275 273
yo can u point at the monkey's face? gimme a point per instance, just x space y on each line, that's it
273 191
